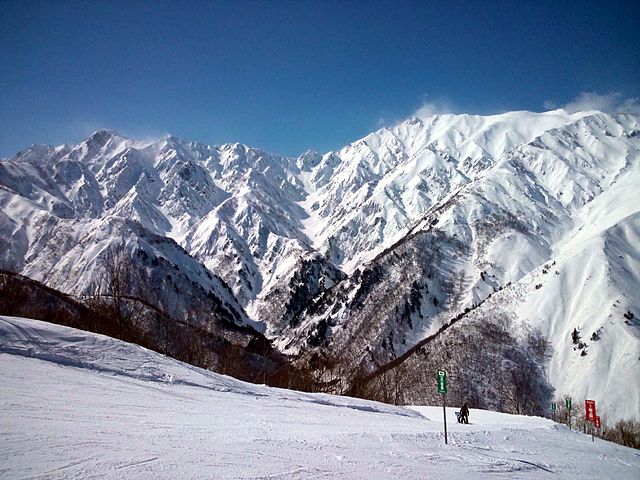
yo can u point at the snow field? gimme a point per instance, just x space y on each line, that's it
79 405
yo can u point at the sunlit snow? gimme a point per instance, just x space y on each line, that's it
79 405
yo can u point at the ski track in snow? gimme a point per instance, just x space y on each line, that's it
78 405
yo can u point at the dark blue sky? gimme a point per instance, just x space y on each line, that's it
288 76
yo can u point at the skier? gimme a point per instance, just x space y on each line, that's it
464 414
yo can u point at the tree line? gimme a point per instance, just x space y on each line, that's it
119 303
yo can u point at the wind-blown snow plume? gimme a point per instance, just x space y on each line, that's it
610 103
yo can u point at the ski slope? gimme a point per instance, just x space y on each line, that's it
79 405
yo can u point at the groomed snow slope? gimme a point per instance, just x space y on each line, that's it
80 405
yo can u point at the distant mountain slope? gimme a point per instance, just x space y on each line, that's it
497 228
565 202
390 178
368 249
111 190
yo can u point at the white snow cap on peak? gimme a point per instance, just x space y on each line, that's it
106 133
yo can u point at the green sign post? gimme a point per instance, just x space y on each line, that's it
554 407
568 404
442 381
441 378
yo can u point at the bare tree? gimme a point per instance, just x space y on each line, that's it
118 282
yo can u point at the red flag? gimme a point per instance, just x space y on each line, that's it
597 422
590 409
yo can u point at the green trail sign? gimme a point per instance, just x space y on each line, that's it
554 407
441 378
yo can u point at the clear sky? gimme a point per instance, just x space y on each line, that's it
291 76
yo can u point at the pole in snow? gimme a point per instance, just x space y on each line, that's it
596 424
590 414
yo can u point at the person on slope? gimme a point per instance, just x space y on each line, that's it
464 414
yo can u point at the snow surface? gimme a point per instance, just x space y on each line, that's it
80 405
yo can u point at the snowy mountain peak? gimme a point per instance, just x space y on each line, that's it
104 134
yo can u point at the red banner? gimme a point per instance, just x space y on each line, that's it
597 423
590 409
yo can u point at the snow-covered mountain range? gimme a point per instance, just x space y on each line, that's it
535 216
